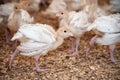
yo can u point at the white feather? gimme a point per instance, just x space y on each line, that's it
6 9
17 36
38 39
109 39
35 29
78 23
26 17
108 24
31 48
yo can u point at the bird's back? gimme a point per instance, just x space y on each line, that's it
108 24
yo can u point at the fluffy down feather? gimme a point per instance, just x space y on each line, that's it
79 23
109 24
17 19
37 38
6 9
109 39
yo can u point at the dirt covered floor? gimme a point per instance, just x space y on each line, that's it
96 67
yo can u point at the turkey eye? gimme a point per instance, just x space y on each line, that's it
28 4
16 8
62 13
65 31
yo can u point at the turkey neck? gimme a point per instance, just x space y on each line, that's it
59 41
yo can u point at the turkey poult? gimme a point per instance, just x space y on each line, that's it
38 39
78 23
8 8
107 30
32 6
73 5
54 7
17 18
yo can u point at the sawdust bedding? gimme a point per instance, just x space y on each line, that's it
96 67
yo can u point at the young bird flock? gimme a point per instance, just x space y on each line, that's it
75 18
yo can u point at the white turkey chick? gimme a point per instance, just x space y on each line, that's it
38 39
54 7
74 5
17 18
107 30
32 6
78 22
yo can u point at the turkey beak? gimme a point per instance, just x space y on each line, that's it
57 14
71 34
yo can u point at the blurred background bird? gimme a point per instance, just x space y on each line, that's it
17 18
114 6
74 5
32 6
54 7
